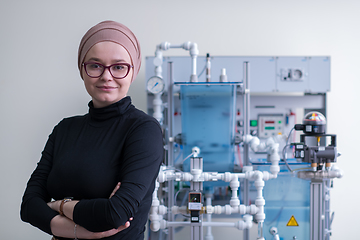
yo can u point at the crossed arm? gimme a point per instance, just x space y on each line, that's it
64 226
142 158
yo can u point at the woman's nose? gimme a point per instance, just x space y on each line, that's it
106 75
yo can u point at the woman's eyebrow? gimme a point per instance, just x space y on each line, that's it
114 61
94 59
119 60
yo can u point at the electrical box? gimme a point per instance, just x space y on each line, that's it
194 206
270 125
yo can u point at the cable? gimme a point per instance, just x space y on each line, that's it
180 153
188 157
177 193
284 154
202 71
284 158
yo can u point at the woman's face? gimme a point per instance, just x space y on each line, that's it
106 89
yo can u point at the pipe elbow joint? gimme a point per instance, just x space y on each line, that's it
155 226
194 51
186 45
164 46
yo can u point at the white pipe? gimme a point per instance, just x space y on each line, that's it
241 225
274 232
158 60
271 146
233 178
157 105
196 175
227 209
177 210
189 46
220 224
260 202
154 215
174 224
208 235
234 186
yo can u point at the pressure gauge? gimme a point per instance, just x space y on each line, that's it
155 85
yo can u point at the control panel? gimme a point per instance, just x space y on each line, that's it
270 125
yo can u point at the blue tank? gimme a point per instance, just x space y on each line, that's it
208 118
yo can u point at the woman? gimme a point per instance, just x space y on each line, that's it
99 168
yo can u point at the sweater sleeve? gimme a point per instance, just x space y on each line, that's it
143 154
34 208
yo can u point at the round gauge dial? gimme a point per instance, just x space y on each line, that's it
155 85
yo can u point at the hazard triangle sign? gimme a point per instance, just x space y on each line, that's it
292 222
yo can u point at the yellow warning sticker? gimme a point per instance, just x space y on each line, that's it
292 222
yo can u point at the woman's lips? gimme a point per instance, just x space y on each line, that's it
106 88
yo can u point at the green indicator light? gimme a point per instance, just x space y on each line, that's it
280 122
269 128
253 123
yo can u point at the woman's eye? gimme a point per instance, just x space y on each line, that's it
118 67
94 66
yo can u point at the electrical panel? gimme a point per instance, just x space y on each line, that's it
270 125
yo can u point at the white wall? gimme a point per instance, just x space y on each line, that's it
40 84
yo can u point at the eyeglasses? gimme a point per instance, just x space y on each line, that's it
117 70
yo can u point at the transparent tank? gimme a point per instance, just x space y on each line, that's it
208 122
287 204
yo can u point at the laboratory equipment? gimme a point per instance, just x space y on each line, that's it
230 144
314 126
155 85
320 157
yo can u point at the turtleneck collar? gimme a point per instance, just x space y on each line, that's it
114 110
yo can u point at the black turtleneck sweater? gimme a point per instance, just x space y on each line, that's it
85 157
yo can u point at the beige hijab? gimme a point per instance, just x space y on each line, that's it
114 32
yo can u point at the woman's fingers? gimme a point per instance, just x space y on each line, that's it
115 189
122 227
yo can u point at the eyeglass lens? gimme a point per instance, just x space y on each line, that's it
119 70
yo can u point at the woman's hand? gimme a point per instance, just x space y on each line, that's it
112 194
64 227
55 205
111 232
115 189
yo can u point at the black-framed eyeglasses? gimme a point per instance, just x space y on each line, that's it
117 70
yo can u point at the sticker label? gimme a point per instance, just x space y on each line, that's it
292 222
194 206
308 128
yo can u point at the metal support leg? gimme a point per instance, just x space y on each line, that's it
170 159
327 209
197 230
317 210
246 185
196 227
